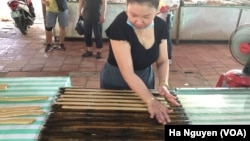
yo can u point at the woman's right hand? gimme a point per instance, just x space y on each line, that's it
159 111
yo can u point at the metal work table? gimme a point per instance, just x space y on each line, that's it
216 105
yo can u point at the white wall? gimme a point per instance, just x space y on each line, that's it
5 10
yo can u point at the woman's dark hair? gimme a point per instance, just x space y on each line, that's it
154 3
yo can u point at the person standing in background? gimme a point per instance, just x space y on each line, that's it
55 9
93 14
166 12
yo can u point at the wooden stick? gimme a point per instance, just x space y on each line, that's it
117 101
19 108
106 97
25 98
101 104
103 91
101 100
99 93
105 108
96 90
16 121
80 89
21 113
99 96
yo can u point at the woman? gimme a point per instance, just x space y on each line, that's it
137 40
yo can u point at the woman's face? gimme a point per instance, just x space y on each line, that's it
140 15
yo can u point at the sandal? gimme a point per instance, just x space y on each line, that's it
87 54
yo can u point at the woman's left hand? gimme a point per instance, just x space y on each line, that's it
163 91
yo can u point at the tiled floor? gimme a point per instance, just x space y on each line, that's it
194 64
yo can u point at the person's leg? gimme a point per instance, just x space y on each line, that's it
49 35
88 38
49 25
97 27
62 34
63 23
